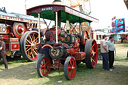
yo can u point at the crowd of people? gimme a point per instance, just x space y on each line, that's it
107 51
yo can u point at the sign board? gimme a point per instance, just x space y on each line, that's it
118 25
47 8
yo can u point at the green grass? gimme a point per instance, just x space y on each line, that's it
21 72
121 53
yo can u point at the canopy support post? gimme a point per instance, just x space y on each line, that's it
59 19
67 23
39 26
56 27
80 26
90 34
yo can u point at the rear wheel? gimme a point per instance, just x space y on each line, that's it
70 68
28 45
43 66
91 51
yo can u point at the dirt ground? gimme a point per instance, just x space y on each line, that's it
21 72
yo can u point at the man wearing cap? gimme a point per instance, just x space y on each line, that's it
3 52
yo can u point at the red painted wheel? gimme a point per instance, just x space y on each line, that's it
43 66
28 45
70 68
19 29
91 51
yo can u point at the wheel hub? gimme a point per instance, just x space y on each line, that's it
73 67
33 45
20 29
93 53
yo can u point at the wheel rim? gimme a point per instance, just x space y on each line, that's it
94 53
71 68
31 44
45 66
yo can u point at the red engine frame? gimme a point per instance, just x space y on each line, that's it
11 30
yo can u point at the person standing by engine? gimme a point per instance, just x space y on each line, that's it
3 52
104 53
111 48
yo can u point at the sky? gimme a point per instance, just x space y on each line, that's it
104 10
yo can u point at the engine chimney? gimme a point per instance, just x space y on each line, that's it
57 2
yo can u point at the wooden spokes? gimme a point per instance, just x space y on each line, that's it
28 45
91 51
31 45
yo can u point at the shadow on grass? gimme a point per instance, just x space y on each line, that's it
16 60
95 76
26 71
81 72
23 72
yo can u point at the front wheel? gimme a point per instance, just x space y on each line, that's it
43 66
70 68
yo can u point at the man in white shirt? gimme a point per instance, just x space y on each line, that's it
104 53
111 49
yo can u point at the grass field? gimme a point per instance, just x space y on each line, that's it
21 72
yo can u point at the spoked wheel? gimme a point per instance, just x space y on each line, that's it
70 68
91 51
28 45
43 66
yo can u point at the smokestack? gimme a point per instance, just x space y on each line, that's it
57 2
3 9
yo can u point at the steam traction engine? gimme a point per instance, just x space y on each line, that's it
12 27
62 49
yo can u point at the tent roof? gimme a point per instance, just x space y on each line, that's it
67 13
18 17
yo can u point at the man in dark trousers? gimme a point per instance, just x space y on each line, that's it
104 53
3 53
111 49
